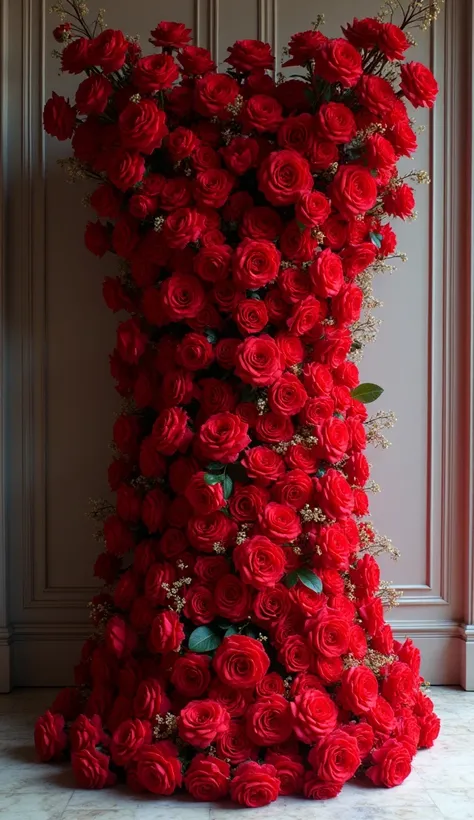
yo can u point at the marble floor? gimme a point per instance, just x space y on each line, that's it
441 787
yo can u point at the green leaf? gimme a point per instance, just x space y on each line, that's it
227 486
366 393
306 576
203 639
376 239
210 335
232 630
310 579
215 467
301 226
291 579
211 479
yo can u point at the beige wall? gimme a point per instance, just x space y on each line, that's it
60 399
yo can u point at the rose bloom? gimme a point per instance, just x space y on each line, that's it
314 715
214 93
337 758
201 721
234 744
155 73
335 123
190 675
158 769
254 785
272 604
353 190
260 562
263 465
391 764
142 126
258 361
167 632
127 740
207 778
170 35
222 437
316 789
91 769
338 62
328 634
359 689
290 772
280 523
269 721
50 737
59 118
241 662
283 176
418 84
255 263
261 222
295 488
248 55
261 113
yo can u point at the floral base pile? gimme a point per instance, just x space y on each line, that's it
239 645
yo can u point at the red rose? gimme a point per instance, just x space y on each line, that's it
204 498
261 113
269 721
338 62
128 739
381 717
91 769
195 60
201 721
92 95
240 155
248 55
418 85
205 531
364 735
181 227
429 730
359 689
214 93
260 562
181 143
232 598
290 772
125 168
399 687
336 123
283 176
50 737
314 715
170 432
108 50
261 222
391 764
371 614
158 769
85 733
365 576
199 606
297 133
295 488
328 634
212 187
353 190
190 675
337 758
304 47
118 538
251 316
207 778
312 209
280 523
271 684
167 632
335 495
247 501
258 361
294 652
240 662
363 33
271 605
170 35
212 262
142 126
76 56
255 264
263 465
254 784
376 94
326 274
59 118
287 396
399 201
222 437
155 73
97 238
148 699
316 789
